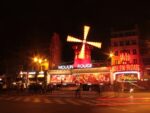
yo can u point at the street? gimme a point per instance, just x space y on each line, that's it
59 104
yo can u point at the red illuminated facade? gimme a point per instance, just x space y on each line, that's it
126 59
87 55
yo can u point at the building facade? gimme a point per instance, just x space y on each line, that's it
126 63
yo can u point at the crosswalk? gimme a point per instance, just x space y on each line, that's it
46 100
119 101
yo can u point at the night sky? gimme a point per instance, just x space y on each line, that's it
26 28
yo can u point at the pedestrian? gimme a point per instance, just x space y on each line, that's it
78 92
116 88
99 90
51 88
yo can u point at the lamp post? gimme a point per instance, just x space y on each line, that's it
111 56
111 63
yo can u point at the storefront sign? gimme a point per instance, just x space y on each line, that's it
78 66
65 67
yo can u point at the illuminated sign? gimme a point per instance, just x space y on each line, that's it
40 75
23 72
41 72
65 67
126 76
78 66
84 65
31 76
32 73
127 67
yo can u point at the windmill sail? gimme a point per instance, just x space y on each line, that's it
82 53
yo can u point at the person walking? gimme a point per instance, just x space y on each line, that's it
78 92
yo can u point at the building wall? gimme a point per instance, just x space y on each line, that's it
125 50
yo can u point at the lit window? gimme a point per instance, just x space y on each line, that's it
121 43
134 61
127 42
115 44
134 52
128 51
116 53
116 61
133 42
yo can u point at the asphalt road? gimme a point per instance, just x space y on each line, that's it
46 104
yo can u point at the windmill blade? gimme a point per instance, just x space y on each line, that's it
82 52
96 44
86 30
73 39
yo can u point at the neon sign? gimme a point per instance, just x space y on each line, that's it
126 76
32 73
127 67
78 66
65 67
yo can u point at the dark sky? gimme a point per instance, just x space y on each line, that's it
27 27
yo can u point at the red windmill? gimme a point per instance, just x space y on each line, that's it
83 53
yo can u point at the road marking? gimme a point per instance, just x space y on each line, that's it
9 98
36 100
72 102
59 101
47 100
85 102
93 101
17 99
27 99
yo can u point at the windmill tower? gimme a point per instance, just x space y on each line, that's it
83 52
55 51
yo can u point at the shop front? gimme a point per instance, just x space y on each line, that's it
127 75
91 78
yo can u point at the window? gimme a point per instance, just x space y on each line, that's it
116 61
134 52
148 72
128 51
115 44
121 43
133 42
127 42
116 53
134 61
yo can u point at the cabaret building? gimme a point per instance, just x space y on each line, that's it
126 62
82 70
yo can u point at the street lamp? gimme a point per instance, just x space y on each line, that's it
111 55
40 62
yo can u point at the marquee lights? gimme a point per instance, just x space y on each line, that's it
78 66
